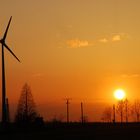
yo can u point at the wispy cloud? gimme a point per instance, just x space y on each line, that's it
103 40
113 38
116 38
77 43
120 37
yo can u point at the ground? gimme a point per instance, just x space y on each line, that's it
74 131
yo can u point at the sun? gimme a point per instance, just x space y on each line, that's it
119 94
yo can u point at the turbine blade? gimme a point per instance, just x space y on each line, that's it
5 34
11 51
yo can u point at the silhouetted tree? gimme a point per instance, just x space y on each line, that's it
136 110
107 115
120 109
127 109
26 111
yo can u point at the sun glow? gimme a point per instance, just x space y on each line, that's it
119 94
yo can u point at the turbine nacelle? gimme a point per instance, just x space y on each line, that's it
2 41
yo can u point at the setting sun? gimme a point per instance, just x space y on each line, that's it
119 94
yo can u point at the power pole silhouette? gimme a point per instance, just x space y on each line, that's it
67 103
82 113
114 114
7 110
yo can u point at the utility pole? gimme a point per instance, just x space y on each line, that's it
114 114
67 103
82 113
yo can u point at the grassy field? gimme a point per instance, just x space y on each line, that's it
73 131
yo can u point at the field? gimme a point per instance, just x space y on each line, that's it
72 131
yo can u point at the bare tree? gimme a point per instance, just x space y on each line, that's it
26 110
127 109
107 115
136 110
120 109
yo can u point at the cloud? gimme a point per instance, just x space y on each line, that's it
113 38
120 36
103 40
76 43
116 38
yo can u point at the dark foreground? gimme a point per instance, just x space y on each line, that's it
73 131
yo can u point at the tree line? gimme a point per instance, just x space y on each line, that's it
124 111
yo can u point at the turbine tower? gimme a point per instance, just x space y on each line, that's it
7 111
4 45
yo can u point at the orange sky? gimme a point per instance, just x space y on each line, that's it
82 49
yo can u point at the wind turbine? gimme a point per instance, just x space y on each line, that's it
4 45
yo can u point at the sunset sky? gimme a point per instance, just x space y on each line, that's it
81 49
